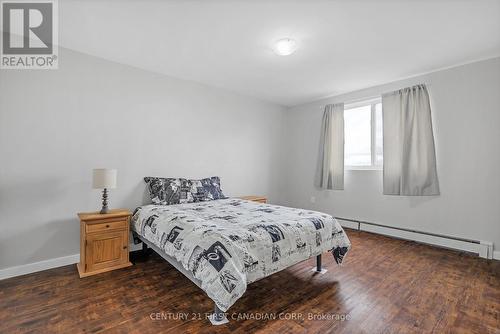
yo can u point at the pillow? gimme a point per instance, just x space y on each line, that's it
167 191
206 189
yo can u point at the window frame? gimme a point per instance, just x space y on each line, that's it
373 128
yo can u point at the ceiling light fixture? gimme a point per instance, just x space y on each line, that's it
285 46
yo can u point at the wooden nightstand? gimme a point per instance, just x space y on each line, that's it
260 199
103 241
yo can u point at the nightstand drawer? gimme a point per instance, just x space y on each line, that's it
116 225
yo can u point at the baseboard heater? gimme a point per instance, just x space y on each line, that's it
483 248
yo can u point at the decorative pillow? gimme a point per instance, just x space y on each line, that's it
166 191
206 189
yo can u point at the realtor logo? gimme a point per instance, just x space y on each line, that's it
29 34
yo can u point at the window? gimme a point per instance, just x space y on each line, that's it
363 135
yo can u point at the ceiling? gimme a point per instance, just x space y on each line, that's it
343 45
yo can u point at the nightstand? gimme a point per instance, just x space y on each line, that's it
260 199
103 241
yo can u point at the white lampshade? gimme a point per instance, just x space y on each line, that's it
104 178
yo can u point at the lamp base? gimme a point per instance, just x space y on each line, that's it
104 201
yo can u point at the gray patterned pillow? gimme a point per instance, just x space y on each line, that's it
166 191
206 189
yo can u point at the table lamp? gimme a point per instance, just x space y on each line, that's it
104 178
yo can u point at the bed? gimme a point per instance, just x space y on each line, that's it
225 244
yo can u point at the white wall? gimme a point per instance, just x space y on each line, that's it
55 126
466 114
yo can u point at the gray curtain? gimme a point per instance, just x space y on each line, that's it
330 172
409 153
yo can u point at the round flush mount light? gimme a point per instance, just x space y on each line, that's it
285 46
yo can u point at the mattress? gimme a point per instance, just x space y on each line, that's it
229 243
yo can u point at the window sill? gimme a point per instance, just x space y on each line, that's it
363 168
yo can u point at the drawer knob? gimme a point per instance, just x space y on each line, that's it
107 226
124 247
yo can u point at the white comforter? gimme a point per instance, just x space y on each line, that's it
229 243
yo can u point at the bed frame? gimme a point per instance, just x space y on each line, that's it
218 317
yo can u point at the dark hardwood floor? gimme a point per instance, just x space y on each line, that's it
385 286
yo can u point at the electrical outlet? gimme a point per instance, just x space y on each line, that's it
313 199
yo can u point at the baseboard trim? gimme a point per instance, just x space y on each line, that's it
484 249
38 266
75 258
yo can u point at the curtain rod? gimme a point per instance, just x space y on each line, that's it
361 99
357 100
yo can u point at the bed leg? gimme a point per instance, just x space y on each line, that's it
144 248
218 317
318 269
